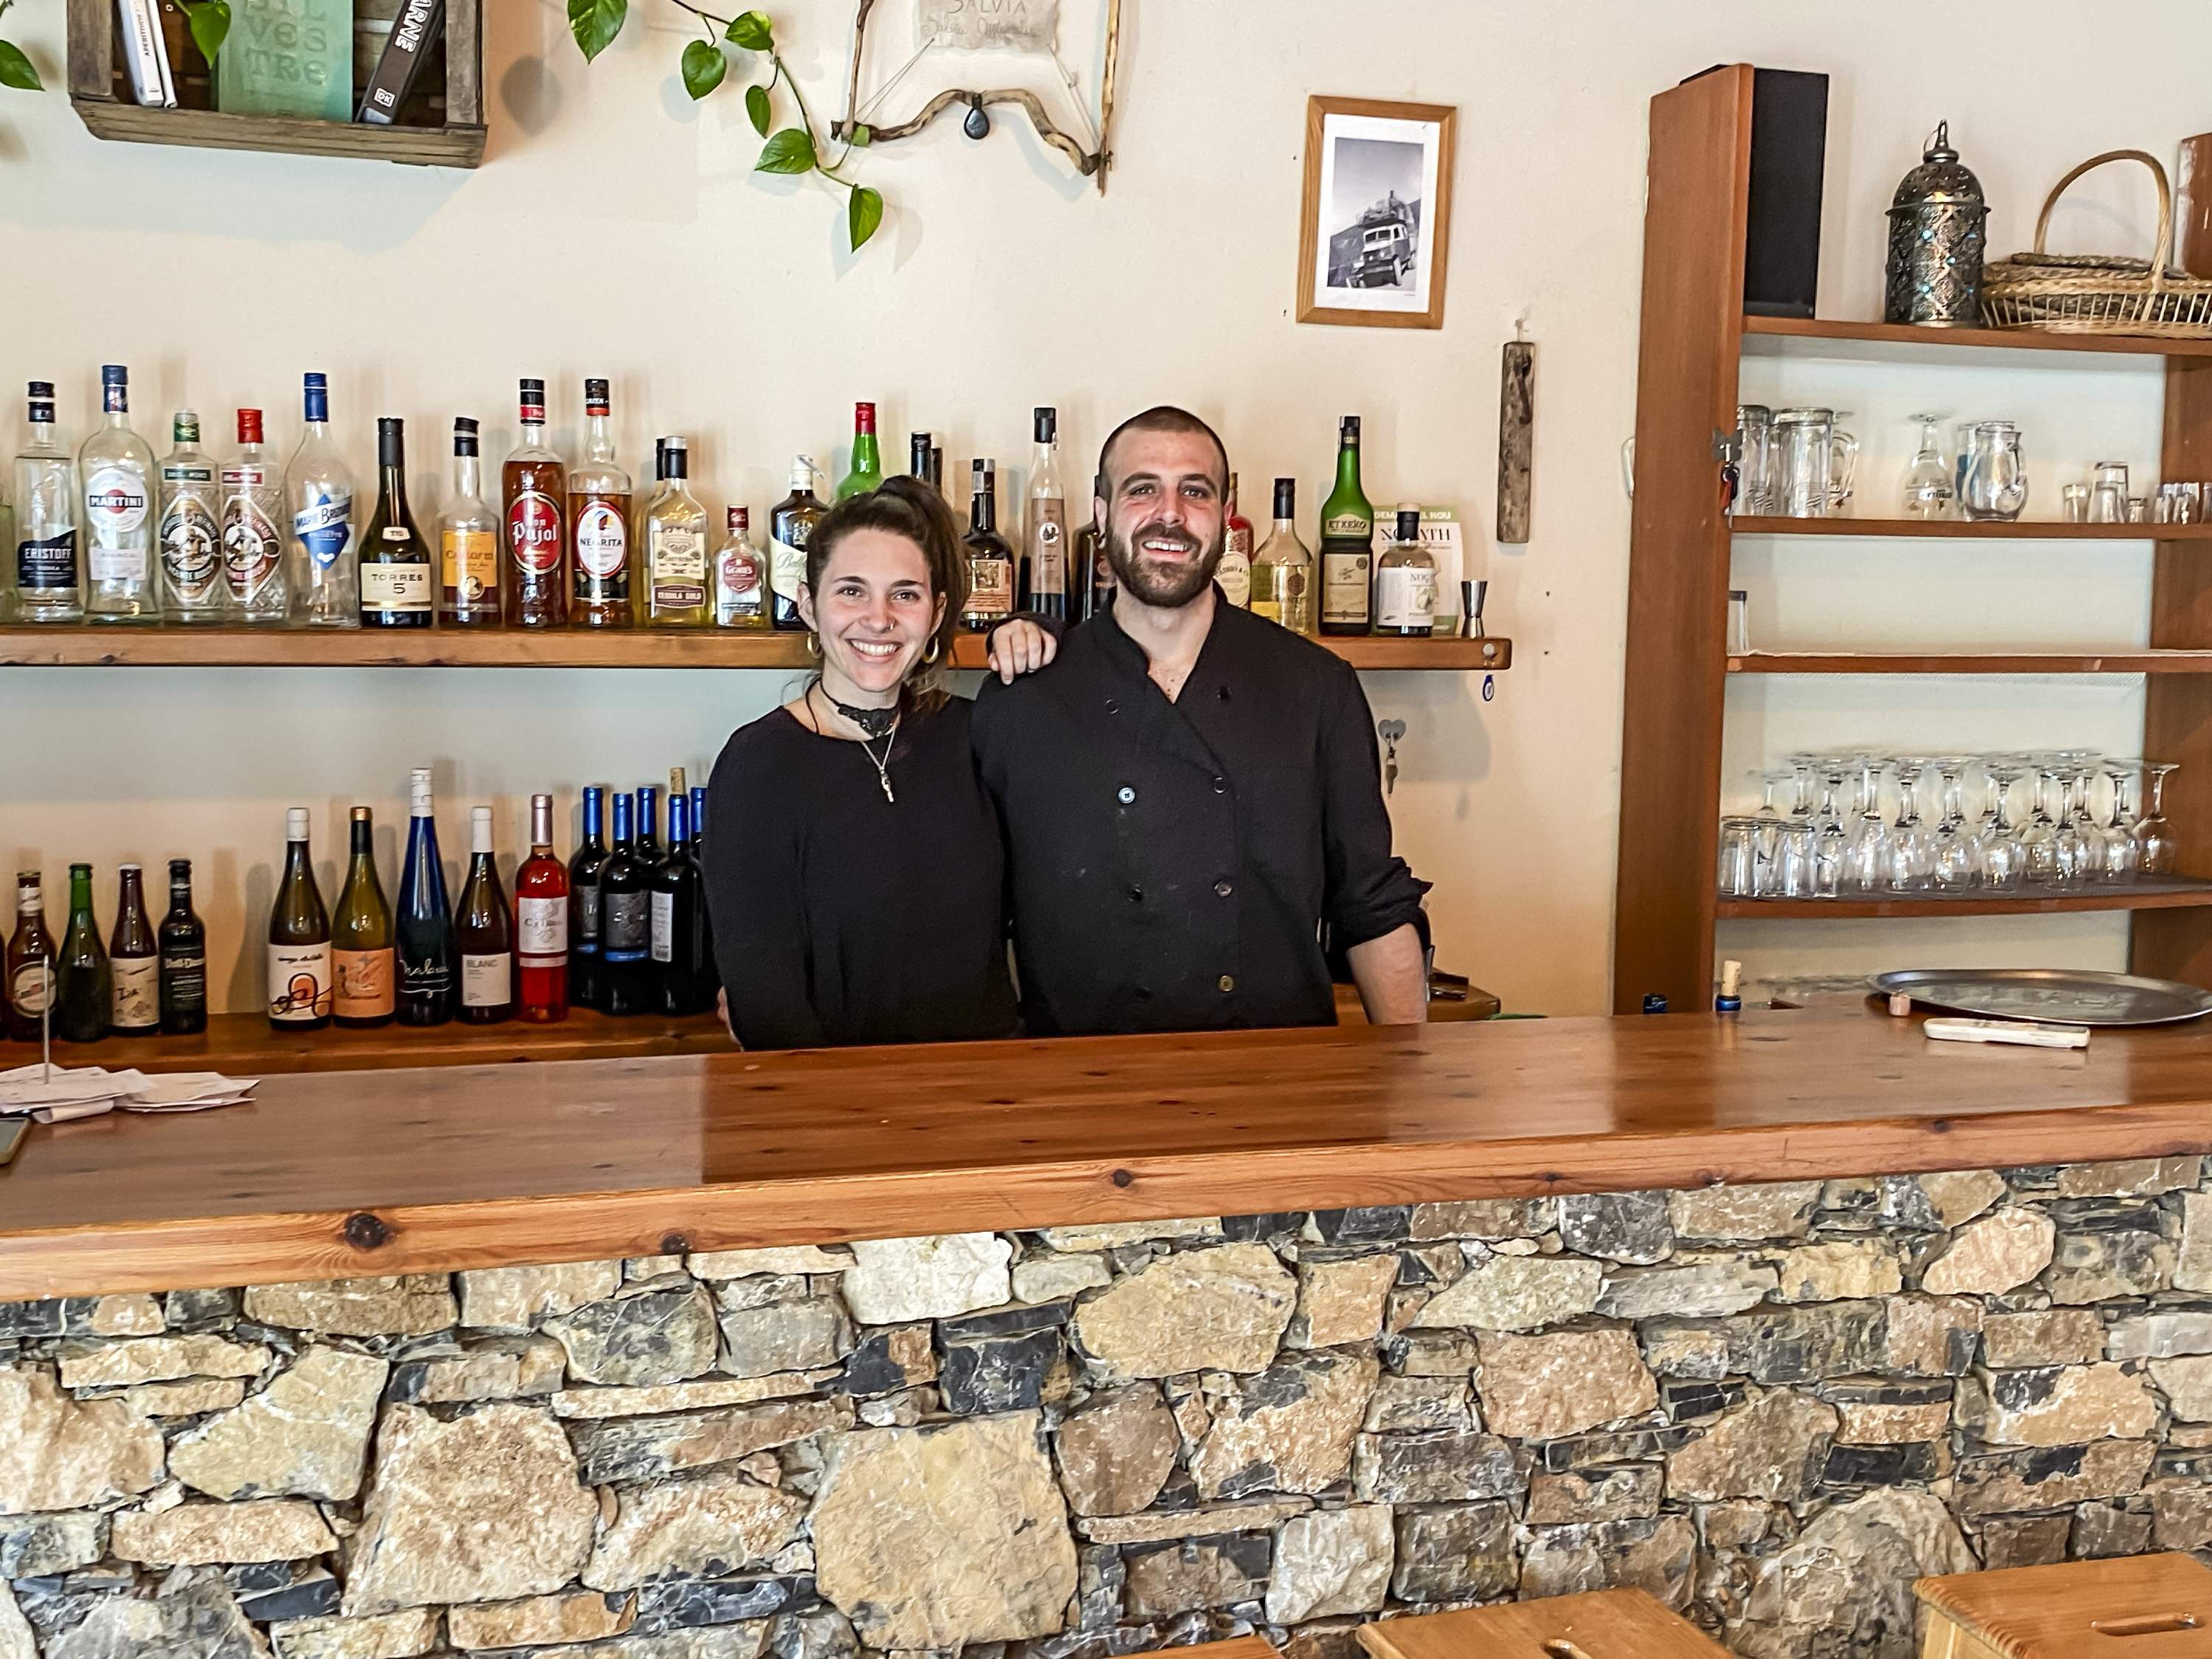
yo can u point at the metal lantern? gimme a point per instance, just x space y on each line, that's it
1937 231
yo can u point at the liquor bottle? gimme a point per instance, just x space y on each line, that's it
990 561
533 490
677 894
49 576
134 961
83 988
398 586
319 492
424 926
789 524
740 585
648 851
541 924
598 521
182 945
625 925
1282 570
713 974
117 470
483 932
363 960
1234 573
191 537
468 542
867 461
917 456
1347 542
1044 584
677 594
299 987
1405 582
937 468
30 960
1098 571
252 507
586 981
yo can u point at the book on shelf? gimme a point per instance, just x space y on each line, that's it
146 54
414 33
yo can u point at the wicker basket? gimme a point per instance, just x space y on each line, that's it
2089 293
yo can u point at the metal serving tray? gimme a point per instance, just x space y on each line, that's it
2063 996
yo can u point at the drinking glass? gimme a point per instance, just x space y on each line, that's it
1797 865
1912 867
1814 463
1927 485
1958 864
1830 840
2108 494
2123 857
1997 472
2080 832
1739 873
2072 849
2075 499
1754 437
2039 836
1867 870
2153 836
2004 860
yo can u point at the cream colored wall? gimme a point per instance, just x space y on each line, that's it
614 230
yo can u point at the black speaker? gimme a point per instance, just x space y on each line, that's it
1789 142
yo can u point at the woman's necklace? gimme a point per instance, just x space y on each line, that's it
875 723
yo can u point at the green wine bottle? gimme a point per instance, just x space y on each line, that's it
1347 542
83 989
362 962
867 461
300 989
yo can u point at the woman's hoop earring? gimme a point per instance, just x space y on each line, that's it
814 645
930 656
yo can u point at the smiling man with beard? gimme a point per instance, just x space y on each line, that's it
1191 799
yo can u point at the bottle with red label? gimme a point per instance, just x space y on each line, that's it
598 523
740 577
541 924
534 488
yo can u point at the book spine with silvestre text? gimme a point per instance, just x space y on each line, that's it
146 55
413 33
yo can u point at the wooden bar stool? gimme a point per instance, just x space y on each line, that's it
2140 1606
1614 1623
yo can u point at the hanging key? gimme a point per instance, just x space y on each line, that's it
1390 732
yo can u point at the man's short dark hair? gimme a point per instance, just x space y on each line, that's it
1164 418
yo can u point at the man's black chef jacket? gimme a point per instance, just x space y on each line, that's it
1170 864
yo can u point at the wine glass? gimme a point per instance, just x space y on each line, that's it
2153 836
1867 867
2039 836
2123 857
1912 867
1830 840
1928 483
1958 846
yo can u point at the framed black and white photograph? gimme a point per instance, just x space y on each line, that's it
1377 222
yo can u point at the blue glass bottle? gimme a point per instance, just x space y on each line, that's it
585 988
626 923
713 977
424 926
649 852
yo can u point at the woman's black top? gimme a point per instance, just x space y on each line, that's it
843 917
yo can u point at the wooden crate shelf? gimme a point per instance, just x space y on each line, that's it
1967 530
100 92
1773 333
65 646
2151 893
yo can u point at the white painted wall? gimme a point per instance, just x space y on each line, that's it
614 230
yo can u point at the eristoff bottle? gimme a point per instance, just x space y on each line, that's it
116 468
252 512
318 495
192 587
48 574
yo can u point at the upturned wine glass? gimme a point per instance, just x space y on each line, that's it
2039 835
2153 836
1830 840
1928 483
1868 868
2123 857
2004 859
1912 867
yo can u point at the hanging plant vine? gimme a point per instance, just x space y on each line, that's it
15 70
791 150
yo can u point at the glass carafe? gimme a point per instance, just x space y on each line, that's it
1814 463
1996 474
1754 437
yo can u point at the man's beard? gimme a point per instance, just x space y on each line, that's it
1153 582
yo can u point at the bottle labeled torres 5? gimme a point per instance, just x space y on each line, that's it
598 522
397 587
534 487
300 988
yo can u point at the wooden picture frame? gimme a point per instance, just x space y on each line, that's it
1377 263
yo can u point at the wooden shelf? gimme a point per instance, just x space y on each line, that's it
55 645
2123 662
2022 530
2152 893
1763 329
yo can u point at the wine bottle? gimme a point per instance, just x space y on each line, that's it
648 851
424 928
990 559
679 904
1347 542
30 960
1044 584
83 988
541 924
183 948
586 979
712 969
625 924
300 989
397 589
868 472
483 932
1234 574
362 956
134 961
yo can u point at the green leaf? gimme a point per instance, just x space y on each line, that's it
791 150
595 23
863 213
862 137
16 71
757 106
704 67
752 31
210 24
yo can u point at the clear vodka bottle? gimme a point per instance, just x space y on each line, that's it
44 568
318 495
115 466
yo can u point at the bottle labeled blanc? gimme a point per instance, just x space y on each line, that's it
678 905
47 572
1347 543
541 924
423 931
1234 573
468 541
134 961
586 980
483 932
363 958
83 989
677 594
868 473
790 524
1044 584
990 559
625 925
398 588
1405 582
300 982
598 522
183 946
191 527
29 961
